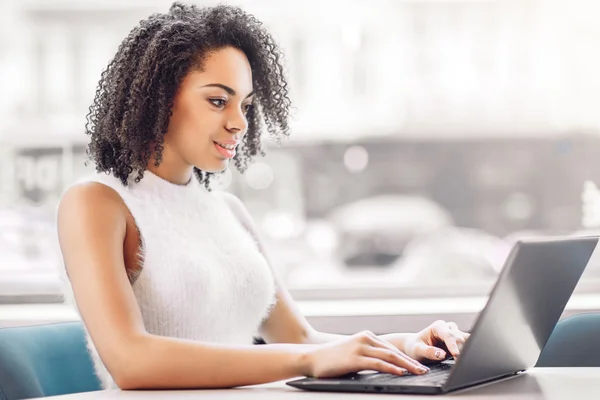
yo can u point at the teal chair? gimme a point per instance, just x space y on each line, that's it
573 343
45 360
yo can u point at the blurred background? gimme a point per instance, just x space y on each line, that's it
428 136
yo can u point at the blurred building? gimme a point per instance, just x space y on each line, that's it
487 108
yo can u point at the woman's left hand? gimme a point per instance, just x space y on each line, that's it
437 342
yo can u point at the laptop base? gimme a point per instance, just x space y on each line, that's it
358 387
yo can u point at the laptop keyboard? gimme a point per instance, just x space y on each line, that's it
436 376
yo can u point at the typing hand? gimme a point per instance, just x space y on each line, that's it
359 352
437 342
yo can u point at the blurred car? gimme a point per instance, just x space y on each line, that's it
375 231
453 255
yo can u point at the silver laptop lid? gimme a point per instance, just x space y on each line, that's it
527 301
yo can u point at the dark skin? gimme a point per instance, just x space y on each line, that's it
209 106
99 242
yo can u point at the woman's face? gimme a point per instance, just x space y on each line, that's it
209 112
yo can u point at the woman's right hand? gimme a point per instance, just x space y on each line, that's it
359 352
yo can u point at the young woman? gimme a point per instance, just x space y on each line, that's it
170 279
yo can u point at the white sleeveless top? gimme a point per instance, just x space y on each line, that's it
203 276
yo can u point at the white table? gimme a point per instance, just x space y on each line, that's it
536 384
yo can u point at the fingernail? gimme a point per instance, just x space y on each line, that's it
423 369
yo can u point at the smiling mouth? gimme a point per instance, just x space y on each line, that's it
227 152
226 146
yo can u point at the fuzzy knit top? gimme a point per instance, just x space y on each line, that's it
202 274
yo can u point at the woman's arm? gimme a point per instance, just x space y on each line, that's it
92 226
92 222
286 324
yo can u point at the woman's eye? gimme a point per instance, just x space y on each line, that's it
218 102
247 108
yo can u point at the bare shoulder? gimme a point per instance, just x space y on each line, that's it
89 202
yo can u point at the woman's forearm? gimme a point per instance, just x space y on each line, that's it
155 362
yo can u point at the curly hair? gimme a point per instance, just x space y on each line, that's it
133 103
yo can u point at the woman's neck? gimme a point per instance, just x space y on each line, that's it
176 173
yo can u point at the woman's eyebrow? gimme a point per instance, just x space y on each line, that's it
226 88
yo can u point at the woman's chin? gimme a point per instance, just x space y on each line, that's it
215 168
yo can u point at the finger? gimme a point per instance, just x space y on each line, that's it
377 364
457 332
460 340
423 351
461 337
443 333
377 342
393 358
452 345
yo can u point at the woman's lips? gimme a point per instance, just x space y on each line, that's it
224 152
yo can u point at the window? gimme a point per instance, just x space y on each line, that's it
480 137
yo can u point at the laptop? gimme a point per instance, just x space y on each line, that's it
508 336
